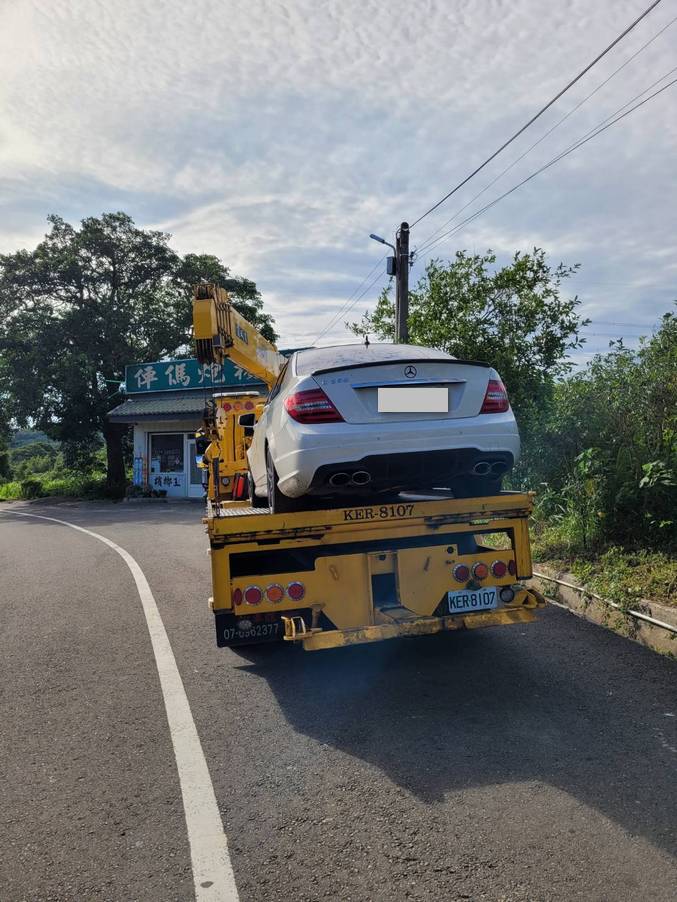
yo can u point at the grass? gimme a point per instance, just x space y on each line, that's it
10 491
76 486
623 575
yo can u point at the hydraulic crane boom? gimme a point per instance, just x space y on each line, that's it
220 332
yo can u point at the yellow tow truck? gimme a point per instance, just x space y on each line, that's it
350 575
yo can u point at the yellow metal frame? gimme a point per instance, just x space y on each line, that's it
424 626
227 454
220 331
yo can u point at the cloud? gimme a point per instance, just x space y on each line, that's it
278 135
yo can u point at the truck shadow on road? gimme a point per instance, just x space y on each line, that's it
561 702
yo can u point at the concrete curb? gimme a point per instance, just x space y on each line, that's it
600 612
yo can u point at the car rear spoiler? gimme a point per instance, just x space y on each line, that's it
402 360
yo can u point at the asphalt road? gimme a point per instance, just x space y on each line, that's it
530 762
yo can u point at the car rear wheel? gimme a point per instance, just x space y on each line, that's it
475 486
254 499
277 502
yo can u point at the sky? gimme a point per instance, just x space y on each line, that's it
279 135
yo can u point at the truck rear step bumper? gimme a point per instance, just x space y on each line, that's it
421 626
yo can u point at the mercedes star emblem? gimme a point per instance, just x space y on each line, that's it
410 371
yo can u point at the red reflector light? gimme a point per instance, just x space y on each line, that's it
499 569
237 596
312 407
227 407
296 591
461 573
512 569
249 405
275 593
496 398
480 570
253 595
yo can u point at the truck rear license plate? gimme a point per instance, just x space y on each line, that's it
466 601
231 630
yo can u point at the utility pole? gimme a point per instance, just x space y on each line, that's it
402 284
398 266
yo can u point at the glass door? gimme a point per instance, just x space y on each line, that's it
167 463
195 489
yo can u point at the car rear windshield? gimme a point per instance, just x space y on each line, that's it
314 359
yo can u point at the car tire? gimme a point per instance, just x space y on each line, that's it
254 500
475 486
277 502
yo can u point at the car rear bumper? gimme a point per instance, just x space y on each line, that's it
414 471
394 459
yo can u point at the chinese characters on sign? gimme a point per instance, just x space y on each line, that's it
176 373
164 482
169 375
145 376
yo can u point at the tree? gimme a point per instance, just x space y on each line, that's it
80 306
512 317
5 468
611 438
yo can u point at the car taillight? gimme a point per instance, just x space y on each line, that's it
253 595
512 569
237 596
311 406
496 398
480 570
461 573
499 569
275 593
296 591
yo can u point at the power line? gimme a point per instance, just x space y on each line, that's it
593 133
606 322
344 308
349 306
539 113
615 335
550 131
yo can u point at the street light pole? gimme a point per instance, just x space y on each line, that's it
401 273
402 284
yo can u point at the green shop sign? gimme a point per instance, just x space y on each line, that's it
170 375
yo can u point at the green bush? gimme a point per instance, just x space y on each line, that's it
71 485
10 491
31 488
603 456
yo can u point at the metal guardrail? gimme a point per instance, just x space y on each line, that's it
638 615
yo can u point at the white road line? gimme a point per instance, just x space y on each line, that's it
212 869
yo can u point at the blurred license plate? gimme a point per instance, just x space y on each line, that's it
465 601
414 399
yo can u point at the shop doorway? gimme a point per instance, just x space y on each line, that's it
195 489
167 463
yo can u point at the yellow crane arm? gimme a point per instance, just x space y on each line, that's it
220 332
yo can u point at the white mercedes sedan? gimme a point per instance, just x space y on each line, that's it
373 420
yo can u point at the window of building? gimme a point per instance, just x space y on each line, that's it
166 453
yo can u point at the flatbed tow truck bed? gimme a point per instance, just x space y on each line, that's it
349 575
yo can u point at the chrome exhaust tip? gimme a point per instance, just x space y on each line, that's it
339 479
361 478
482 468
499 467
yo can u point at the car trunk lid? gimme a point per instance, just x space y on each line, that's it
403 390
